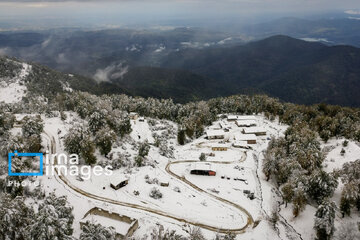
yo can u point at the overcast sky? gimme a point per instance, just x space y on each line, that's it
138 11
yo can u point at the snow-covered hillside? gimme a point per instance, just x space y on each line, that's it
13 90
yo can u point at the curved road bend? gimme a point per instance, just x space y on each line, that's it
159 212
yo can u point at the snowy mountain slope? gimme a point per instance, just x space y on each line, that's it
12 88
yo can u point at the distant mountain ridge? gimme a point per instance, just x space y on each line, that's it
333 31
290 69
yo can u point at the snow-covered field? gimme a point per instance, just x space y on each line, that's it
13 90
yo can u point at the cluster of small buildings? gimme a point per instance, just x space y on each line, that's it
249 131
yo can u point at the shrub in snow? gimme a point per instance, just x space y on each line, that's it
165 150
274 218
202 157
91 231
139 160
155 193
345 143
177 189
342 152
196 234
144 149
161 234
350 176
324 220
299 202
149 180
63 116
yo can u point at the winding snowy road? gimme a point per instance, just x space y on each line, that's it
240 229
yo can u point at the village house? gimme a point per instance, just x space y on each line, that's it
232 118
248 138
206 169
246 117
119 182
219 147
124 226
246 123
254 130
215 134
241 144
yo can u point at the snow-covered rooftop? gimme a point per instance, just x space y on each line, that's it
232 117
240 144
246 122
119 226
116 179
254 130
215 132
203 167
245 137
219 145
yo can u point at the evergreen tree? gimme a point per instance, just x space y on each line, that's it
181 137
15 218
324 220
321 185
92 231
32 126
54 219
96 121
104 139
144 149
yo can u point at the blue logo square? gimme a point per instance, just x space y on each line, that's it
11 155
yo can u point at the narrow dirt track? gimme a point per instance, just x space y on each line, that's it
156 211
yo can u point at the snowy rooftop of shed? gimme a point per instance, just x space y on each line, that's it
203 167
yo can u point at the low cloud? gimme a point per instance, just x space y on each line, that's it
353 12
5 51
112 72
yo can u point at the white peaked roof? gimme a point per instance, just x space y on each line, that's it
254 130
232 117
246 122
215 132
203 167
219 145
246 117
116 179
245 137
240 144
119 226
